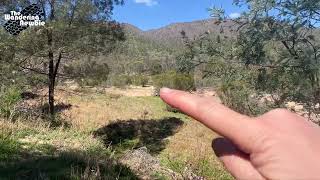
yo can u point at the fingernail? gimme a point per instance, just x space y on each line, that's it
165 90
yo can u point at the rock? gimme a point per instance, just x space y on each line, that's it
141 162
298 108
315 118
291 105
145 166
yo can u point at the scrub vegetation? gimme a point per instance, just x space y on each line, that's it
79 97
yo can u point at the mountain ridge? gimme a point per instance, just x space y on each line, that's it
172 33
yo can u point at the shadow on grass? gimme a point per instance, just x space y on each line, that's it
124 135
29 95
40 112
58 108
16 163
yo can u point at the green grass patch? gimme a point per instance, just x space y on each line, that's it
125 146
69 165
177 165
9 148
202 167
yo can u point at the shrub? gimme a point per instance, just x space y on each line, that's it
237 90
140 80
88 73
174 80
121 81
9 97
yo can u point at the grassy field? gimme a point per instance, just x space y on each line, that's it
98 130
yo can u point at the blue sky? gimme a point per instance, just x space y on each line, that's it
151 14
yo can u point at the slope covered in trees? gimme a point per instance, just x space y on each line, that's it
171 34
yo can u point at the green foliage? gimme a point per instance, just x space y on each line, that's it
155 68
174 80
139 55
32 80
285 48
120 81
238 94
9 147
73 29
23 159
177 165
159 176
276 52
9 97
217 63
202 167
88 73
63 165
238 86
140 80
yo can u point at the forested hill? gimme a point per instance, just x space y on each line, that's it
171 34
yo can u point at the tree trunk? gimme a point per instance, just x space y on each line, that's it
51 78
51 89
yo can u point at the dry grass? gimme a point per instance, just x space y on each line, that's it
91 111
131 91
190 146
188 149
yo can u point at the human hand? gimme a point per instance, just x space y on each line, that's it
276 145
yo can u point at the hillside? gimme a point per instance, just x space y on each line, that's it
171 34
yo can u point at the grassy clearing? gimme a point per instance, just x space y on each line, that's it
82 150
34 151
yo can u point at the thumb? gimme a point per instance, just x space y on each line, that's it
235 161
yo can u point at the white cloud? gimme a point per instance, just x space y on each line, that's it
146 2
234 15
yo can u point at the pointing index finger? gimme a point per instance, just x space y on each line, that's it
240 129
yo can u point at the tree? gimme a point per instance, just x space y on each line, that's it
289 27
73 29
276 51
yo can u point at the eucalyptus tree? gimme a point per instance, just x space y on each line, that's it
274 49
280 39
73 29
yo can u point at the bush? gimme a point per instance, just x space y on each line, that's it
88 73
239 97
174 80
237 90
140 80
9 97
121 81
